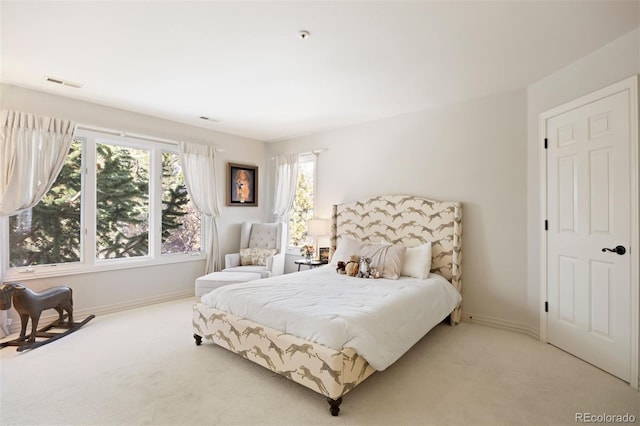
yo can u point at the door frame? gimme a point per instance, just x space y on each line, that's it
630 85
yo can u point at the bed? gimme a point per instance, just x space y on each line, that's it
291 324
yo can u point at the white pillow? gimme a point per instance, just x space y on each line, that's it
417 261
345 248
392 259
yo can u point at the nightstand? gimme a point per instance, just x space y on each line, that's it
310 263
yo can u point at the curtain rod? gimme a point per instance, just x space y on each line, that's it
121 133
315 152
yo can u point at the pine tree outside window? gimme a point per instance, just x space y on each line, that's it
180 219
122 176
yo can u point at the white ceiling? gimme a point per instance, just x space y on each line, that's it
243 64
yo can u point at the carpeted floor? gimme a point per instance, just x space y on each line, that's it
141 367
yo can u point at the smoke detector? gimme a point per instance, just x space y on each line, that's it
303 35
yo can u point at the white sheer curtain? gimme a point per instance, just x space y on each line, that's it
199 168
32 152
285 190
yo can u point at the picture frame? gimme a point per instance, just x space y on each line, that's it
323 254
242 185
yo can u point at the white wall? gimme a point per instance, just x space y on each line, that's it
113 290
473 152
614 62
483 153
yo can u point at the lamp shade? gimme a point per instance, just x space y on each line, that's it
318 227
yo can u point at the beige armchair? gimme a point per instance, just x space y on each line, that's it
259 236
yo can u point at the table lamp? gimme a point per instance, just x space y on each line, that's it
317 228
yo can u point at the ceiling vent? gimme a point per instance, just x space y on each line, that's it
202 117
62 82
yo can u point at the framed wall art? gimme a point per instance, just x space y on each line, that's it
242 185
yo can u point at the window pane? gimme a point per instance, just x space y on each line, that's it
180 219
122 179
50 232
302 206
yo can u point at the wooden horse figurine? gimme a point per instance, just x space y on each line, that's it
30 305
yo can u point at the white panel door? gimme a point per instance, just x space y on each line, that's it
588 205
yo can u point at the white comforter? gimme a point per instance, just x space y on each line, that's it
379 318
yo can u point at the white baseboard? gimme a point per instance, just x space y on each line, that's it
500 323
51 315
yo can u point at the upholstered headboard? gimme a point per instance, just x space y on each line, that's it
410 221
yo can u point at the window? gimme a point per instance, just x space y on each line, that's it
304 202
129 205
49 233
180 219
122 201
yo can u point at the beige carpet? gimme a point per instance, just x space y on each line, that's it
142 367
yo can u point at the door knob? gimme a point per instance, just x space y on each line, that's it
618 249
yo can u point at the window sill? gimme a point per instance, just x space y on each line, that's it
60 270
293 251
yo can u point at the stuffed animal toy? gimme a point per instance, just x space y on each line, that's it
364 270
375 273
352 265
341 267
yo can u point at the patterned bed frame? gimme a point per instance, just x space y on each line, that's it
399 219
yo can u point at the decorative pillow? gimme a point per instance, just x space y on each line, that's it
255 256
417 261
387 258
345 248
